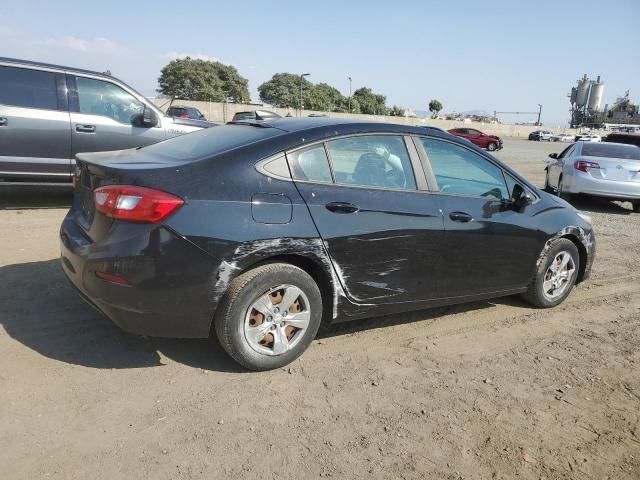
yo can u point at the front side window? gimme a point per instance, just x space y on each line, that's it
310 164
372 161
22 87
463 172
97 97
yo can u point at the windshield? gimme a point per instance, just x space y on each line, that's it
627 152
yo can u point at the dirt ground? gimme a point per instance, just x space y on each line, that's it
479 391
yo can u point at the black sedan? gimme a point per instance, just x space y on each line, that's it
261 230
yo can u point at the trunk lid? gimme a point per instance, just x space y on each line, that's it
123 167
617 169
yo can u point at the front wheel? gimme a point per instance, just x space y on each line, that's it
269 316
492 147
561 192
555 276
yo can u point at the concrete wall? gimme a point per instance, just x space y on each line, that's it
223 112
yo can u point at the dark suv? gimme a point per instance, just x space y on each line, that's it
185 112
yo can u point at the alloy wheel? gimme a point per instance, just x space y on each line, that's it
559 275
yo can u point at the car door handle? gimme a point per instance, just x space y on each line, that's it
341 207
3 122
86 128
460 217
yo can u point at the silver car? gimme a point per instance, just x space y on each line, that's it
609 170
48 114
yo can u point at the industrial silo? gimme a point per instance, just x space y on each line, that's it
595 95
582 94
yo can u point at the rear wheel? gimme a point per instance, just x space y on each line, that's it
555 276
269 316
492 146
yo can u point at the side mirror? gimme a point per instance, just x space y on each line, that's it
553 155
520 197
147 118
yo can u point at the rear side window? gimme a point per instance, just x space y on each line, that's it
372 161
97 97
463 172
310 164
628 152
22 87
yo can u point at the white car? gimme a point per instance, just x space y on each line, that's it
609 170
562 137
588 137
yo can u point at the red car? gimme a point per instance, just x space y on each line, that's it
482 140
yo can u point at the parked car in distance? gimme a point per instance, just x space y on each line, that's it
255 115
482 140
270 228
181 111
563 137
628 138
609 170
49 114
541 135
587 137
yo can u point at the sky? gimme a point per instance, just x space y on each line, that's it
470 55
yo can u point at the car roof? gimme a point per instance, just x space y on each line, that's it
341 125
50 66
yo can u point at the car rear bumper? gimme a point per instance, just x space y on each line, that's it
169 280
584 183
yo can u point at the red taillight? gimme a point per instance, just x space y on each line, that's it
110 277
135 204
583 166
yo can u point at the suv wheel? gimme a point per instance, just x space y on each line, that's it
555 276
269 316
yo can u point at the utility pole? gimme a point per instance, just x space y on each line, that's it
301 78
539 114
349 94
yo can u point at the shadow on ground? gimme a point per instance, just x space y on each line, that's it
21 197
600 205
40 309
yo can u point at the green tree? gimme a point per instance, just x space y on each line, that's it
396 111
325 98
435 107
283 90
194 79
370 102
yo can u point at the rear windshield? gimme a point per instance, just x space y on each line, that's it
628 152
210 141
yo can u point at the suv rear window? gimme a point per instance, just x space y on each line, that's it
628 152
22 87
210 141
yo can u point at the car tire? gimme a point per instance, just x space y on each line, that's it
561 192
547 188
267 344
636 206
492 146
548 288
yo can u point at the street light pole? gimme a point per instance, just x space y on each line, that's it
349 94
301 78
539 114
